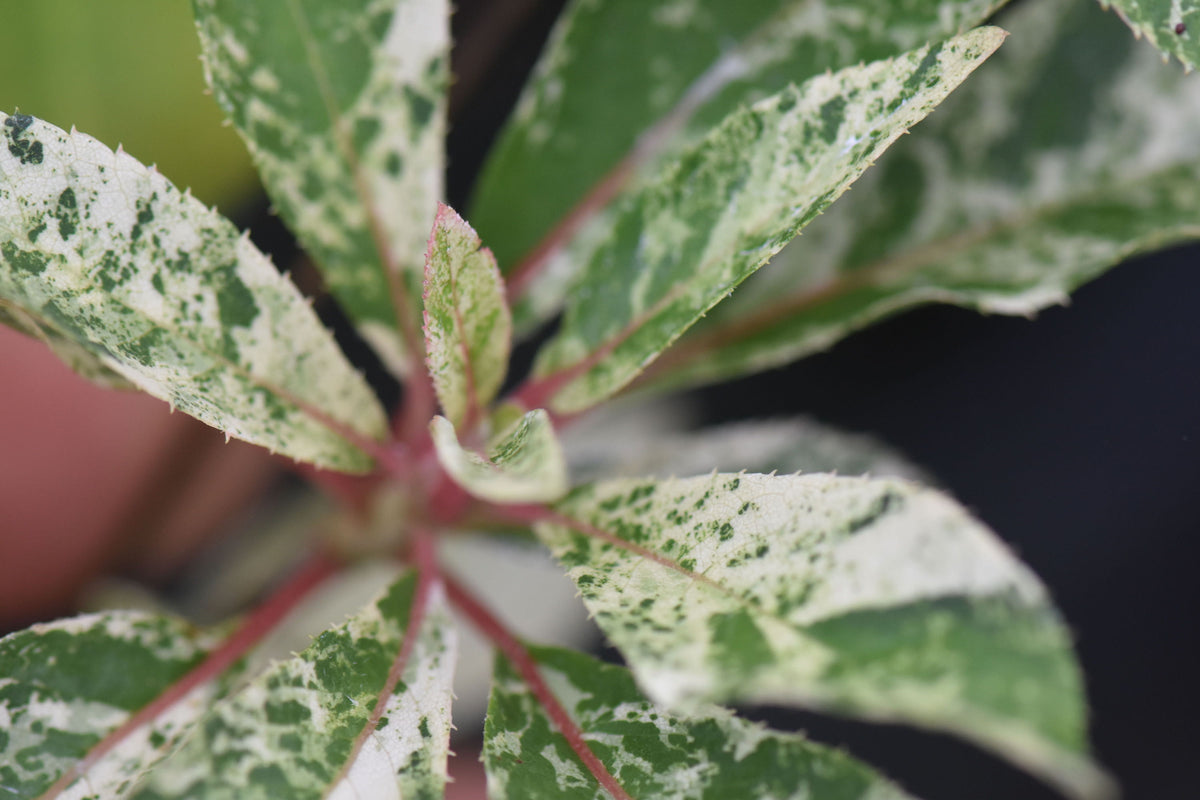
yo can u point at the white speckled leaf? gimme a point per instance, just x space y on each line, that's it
289 733
78 358
1173 26
616 444
864 596
66 685
468 328
726 206
524 462
105 252
1068 152
587 118
342 105
709 754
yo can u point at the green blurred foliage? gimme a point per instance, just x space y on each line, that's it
128 72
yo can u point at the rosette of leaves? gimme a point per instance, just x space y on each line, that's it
632 192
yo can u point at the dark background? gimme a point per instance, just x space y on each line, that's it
1073 435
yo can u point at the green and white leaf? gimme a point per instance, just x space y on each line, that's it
584 111
652 753
66 685
343 108
1173 26
1068 153
468 328
587 117
105 252
726 206
625 442
524 462
77 358
870 597
290 732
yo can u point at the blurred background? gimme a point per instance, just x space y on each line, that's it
1074 435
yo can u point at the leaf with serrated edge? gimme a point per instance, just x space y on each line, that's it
870 597
711 753
585 118
726 206
624 442
1035 177
1173 26
107 253
468 329
66 685
289 732
342 106
524 462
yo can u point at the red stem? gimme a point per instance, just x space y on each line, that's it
516 652
425 558
260 622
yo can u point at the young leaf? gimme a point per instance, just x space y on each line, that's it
711 753
468 328
342 106
1171 25
524 462
292 731
585 112
66 685
1018 190
729 204
869 597
106 253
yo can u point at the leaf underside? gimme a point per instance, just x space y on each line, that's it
342 106
652 754
1065 155
524 462
102 251
684 241
862 596
468 328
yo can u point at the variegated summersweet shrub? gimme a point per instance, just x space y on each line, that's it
662 154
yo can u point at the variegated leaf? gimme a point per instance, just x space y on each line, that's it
468 328
66 685
584 111
343 105
100 250
653 754
1173 26
632 442
869 597
1051 165
524 462
726 206
291 732
590 125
